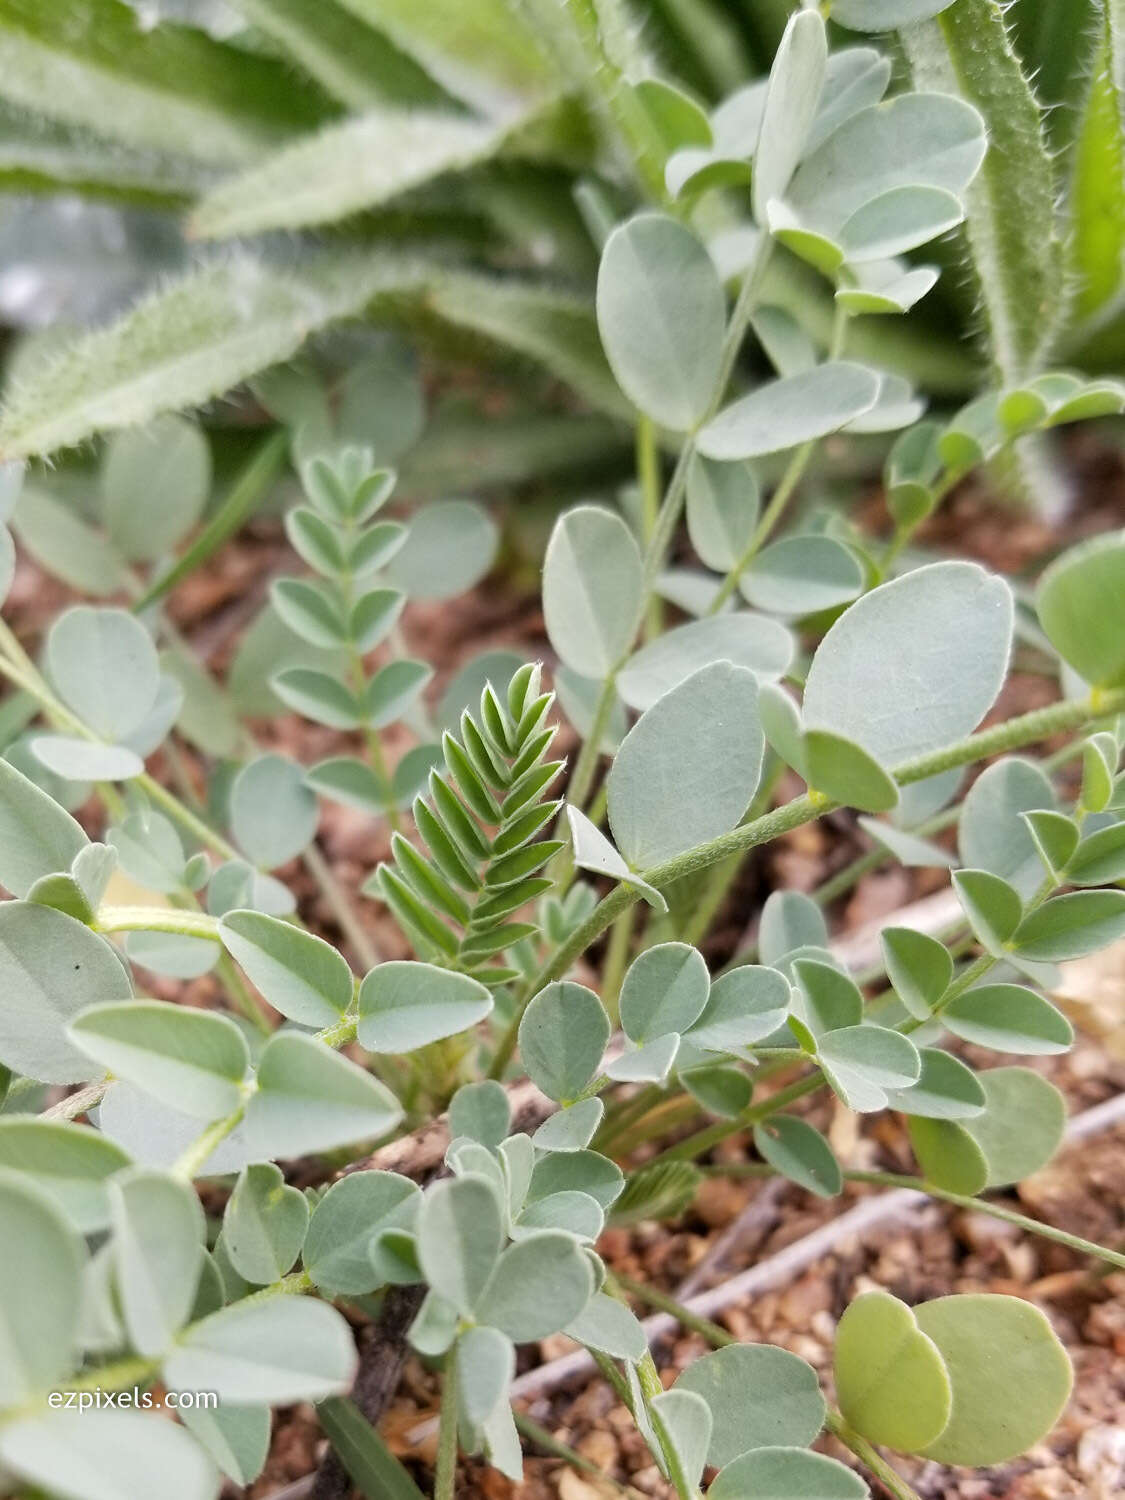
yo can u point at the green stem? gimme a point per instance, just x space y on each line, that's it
790 479
648 480
157 919
994 1211
617 960
586 765
753 1114
190 1161
1025 729
892 1482
653 1297
446 1471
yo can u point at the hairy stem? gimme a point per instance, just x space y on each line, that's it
446 1471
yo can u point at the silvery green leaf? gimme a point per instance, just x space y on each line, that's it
885 286
236 885
486 1362
569 1129
207 717
1071 926
154 483
884 15
40 1294
608 1326
537 1287
691 590
592 589
195 1060
855 78
992 835
319 696
660 754
790 106
153 729
683 1424
70 795
70 1163
758 1396
149 850
762 646
593 851
783 1473
898 220
63 893
37 837
801 575
908 848
312 609
576 1171
502 1444
825 999
352 1213
1099 858
1022 1125
41 951
562 1036
1078 602
914 140
1055 837
310 1099
570 1209
946 1089
1008 1018
481 1111
790 349
403 1006
845 772
650 1063
992 906
915 664
790 920
661 314
896 407
155 1135
517 1159
300 975
105 667
273 814
1010 1376
157 1255
264 1224
719 1088
798 1151
435 1327
665 989
392 690
236 1437
862 1062
578 698
172 953
450 546
918 966
110 1455
459 1238
275 1352
783 413
68 547
722 510
744 1006
86 760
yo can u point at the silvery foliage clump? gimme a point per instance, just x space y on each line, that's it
501 875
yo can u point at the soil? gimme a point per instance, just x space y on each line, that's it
938 1251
